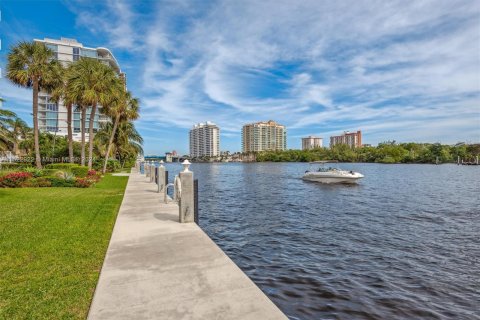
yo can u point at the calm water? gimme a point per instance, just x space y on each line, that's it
403 244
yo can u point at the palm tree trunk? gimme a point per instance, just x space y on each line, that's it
110 142
38 160
90 136
69 130
83 120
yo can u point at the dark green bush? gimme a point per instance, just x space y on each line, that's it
59 182
79 172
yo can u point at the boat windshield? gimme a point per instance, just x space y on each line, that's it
321 169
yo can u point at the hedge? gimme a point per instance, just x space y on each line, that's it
75 169
37 183
79 172
62 166
59 182
14 165
49 172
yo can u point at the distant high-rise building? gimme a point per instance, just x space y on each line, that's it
263 136
52 117
352 139
205 140
311 143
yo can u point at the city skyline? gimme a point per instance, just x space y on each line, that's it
399 72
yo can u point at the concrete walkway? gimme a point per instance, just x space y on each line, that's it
157 268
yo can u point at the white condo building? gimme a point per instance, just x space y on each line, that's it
205 140
52 117
311 142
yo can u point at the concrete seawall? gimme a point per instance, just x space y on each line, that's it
158 268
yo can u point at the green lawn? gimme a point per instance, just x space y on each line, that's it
52 245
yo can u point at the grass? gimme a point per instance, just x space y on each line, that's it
52 245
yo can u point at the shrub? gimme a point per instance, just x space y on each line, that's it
37 183
49 172
94 175
14 179
14 166
34 171
62 166
129 163
60 182
75 169
65 175
5 172
80 171
83 182
112 165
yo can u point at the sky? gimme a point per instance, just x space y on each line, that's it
397 70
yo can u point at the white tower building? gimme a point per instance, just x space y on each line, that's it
52 117
205 140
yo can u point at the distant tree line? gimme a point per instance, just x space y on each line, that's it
387 152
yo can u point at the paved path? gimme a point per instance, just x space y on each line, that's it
157 268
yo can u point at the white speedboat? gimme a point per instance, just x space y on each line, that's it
331 175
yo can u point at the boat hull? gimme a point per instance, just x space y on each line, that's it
328 178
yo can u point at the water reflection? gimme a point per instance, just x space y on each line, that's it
403 244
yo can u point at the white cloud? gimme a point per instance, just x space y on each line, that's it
332 64
15 95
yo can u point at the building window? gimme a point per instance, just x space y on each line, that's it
52 107
89 53
52 47
76 54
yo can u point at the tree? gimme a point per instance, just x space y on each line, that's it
12 130
19 131
33 65
127 141
6 117
60 93
90 83
125 108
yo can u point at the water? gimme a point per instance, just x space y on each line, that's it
403 244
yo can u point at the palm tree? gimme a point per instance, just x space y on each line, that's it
127 141
124 108
90 83
60 93
12 130
19 131
33 65
6 117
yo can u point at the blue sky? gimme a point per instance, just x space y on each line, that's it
397 70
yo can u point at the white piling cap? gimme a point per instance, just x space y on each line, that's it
186 164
